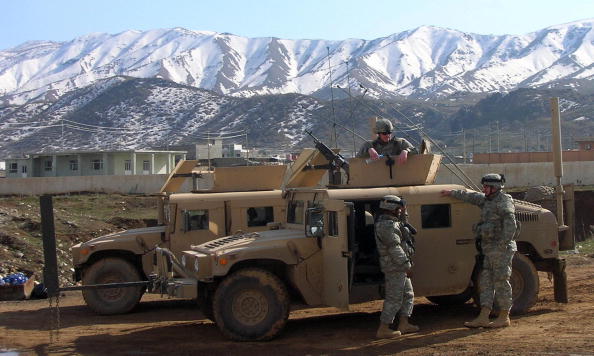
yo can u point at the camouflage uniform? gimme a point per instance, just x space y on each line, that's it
391 148
395 259
496 230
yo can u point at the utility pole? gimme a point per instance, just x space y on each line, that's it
498 147
208 148
463 145
247 150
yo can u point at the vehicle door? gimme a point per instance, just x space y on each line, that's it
197 223
445 250
335 254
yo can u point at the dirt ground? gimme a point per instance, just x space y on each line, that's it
176 327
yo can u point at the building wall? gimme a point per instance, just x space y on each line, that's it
522 174
528 157
20 163
138 184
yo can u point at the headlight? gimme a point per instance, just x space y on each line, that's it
196 264
183 260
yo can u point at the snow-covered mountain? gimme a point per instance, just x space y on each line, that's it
424 62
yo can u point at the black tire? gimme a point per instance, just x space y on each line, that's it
108 301
453 299
525 285
252 304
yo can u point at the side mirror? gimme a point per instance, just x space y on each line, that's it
314 224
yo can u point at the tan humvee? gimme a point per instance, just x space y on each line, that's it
241 199
323 252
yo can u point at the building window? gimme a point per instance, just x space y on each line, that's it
24 169
13 168
588 146
435 216
73 165
127 165
146 165
47 165
260 216
97 164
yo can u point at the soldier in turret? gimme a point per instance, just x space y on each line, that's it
496 231
386 145
396 249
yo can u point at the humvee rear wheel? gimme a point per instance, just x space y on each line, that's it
108 301
251 304
525 284
453 299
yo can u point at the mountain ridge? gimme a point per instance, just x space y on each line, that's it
425 62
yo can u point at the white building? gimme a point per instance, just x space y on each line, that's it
88 163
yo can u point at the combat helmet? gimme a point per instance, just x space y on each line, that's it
383 125
493 179
391 202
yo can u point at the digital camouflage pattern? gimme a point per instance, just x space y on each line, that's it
391 148
496 230
395 259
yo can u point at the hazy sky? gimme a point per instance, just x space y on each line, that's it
63 20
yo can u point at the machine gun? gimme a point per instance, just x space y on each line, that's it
337 161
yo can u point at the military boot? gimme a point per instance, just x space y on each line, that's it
384 332
405 327
481 321
501 321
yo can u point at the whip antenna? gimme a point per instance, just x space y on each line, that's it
334 138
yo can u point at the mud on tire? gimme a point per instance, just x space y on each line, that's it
109 301
251 304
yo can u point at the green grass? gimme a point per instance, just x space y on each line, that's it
586 247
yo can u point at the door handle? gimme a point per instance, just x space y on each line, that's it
464 241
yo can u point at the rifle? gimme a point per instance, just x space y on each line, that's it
337 161
478 244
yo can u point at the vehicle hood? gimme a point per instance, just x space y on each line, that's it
132 233
249 240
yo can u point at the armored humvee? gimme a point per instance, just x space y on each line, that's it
323 252
185 219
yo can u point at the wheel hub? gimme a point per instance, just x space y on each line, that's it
250 307
110 293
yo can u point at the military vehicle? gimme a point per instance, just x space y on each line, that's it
323 252
185 219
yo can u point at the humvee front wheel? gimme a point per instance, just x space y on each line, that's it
107 301
525 284
251 304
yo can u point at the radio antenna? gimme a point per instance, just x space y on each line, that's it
334 138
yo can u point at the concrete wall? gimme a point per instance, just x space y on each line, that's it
523 174
530 157
516 174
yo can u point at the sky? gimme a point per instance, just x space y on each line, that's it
64 20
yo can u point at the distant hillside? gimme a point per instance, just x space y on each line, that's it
123 112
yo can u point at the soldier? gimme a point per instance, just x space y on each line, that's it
395 253
386 145
495 232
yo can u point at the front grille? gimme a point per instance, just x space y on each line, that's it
526 216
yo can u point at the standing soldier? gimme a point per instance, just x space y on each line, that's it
395 253
386 145
495 233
